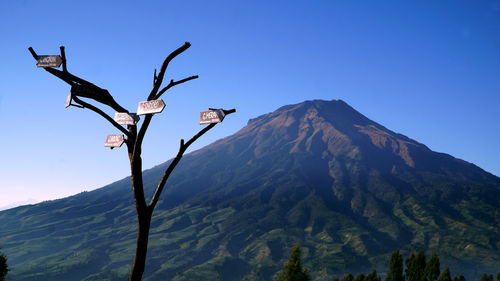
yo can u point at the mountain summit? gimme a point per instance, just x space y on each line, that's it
319 172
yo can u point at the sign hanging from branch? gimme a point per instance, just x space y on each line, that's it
114 141
49 61
124 118
68 100
150 107
211 116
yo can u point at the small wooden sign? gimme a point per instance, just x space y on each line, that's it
68 100
49 61
150 107
124 118
114 141
211 116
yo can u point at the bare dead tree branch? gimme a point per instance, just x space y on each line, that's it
182 148
174 83
103 114
147 119
163 68
83 87
33 53
157 83
63 56
142 132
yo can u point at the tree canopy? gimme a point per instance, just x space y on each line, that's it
292 271
3 267
395 268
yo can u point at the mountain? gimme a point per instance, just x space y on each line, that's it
19 203
319 172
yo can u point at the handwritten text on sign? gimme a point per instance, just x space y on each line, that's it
149 107
211 116
114 141
124 118
49 61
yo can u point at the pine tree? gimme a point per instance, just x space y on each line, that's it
395 268
432 268
372 276
498 276
348 277
486 277
336 278
292 271
459 278
360 277
3 267
415 266
445 276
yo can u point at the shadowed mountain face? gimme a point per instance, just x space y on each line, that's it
319 172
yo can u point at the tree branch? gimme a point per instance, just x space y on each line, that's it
107 117
180 153
142 133
174 83
63 56
163 68
156 86
33 53
82 87
182 148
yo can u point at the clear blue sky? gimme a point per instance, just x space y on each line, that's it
427 69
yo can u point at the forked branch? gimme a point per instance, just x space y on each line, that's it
159 78
174 83
103 114
81 87
147 119
182 148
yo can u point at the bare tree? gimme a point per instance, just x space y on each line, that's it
81 88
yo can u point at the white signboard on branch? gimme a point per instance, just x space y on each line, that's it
150 107
114 141
124 118
49 61
211 116
68 100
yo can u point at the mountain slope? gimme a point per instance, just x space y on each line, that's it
320 172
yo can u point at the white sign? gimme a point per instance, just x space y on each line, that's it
150 107
68 100
211 116
49 61
114 141
124 118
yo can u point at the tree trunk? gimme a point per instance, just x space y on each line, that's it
141 249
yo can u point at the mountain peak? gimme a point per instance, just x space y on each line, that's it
329 128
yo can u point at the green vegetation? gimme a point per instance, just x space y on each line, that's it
3 267
395 268
415 266
292 271
432 268
416 269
